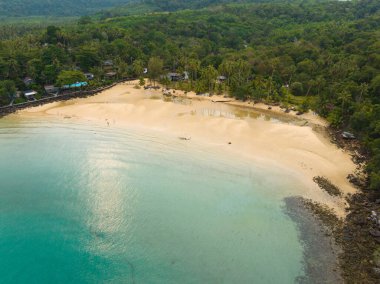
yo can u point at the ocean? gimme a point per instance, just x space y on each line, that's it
87 203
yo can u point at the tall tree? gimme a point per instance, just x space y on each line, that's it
70 77
155 68
138 68
7 91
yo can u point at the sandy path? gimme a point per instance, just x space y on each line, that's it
289 145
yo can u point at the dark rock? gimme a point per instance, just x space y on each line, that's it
360 221
327 186
376 271
374 233
316 224
347 238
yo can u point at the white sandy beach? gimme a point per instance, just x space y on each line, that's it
290 145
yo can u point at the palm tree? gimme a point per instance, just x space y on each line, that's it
209 75
227 69
363 90
155 67
345 98
194 66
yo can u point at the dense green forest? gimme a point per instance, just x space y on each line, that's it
145 6
22 8
174 5
16 8
322 55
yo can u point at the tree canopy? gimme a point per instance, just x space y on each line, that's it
17 8
70 77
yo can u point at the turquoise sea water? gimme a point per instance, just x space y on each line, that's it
81 203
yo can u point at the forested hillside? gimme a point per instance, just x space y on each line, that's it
16 8
23 8
146 6
322 55
174 5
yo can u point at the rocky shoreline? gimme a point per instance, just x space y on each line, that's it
320 260
337 250
352 254
360 240
358 235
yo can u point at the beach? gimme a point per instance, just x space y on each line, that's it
249 132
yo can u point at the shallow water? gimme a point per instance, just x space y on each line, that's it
219 109
80 203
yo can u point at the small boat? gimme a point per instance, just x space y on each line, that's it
348 135
184 138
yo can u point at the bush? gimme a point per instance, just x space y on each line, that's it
19 100
304 106
297 89
375 181
335 117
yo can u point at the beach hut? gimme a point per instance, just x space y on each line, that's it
108 63
174 76
111 74
221 79
51 89
29 95
28 81
89 76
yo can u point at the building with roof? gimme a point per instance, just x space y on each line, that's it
221 79
89 76
28 81
174 76
30 95
51 89
108 63
110 74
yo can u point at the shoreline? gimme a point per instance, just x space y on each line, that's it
14 108
310 117
266 137
235 127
